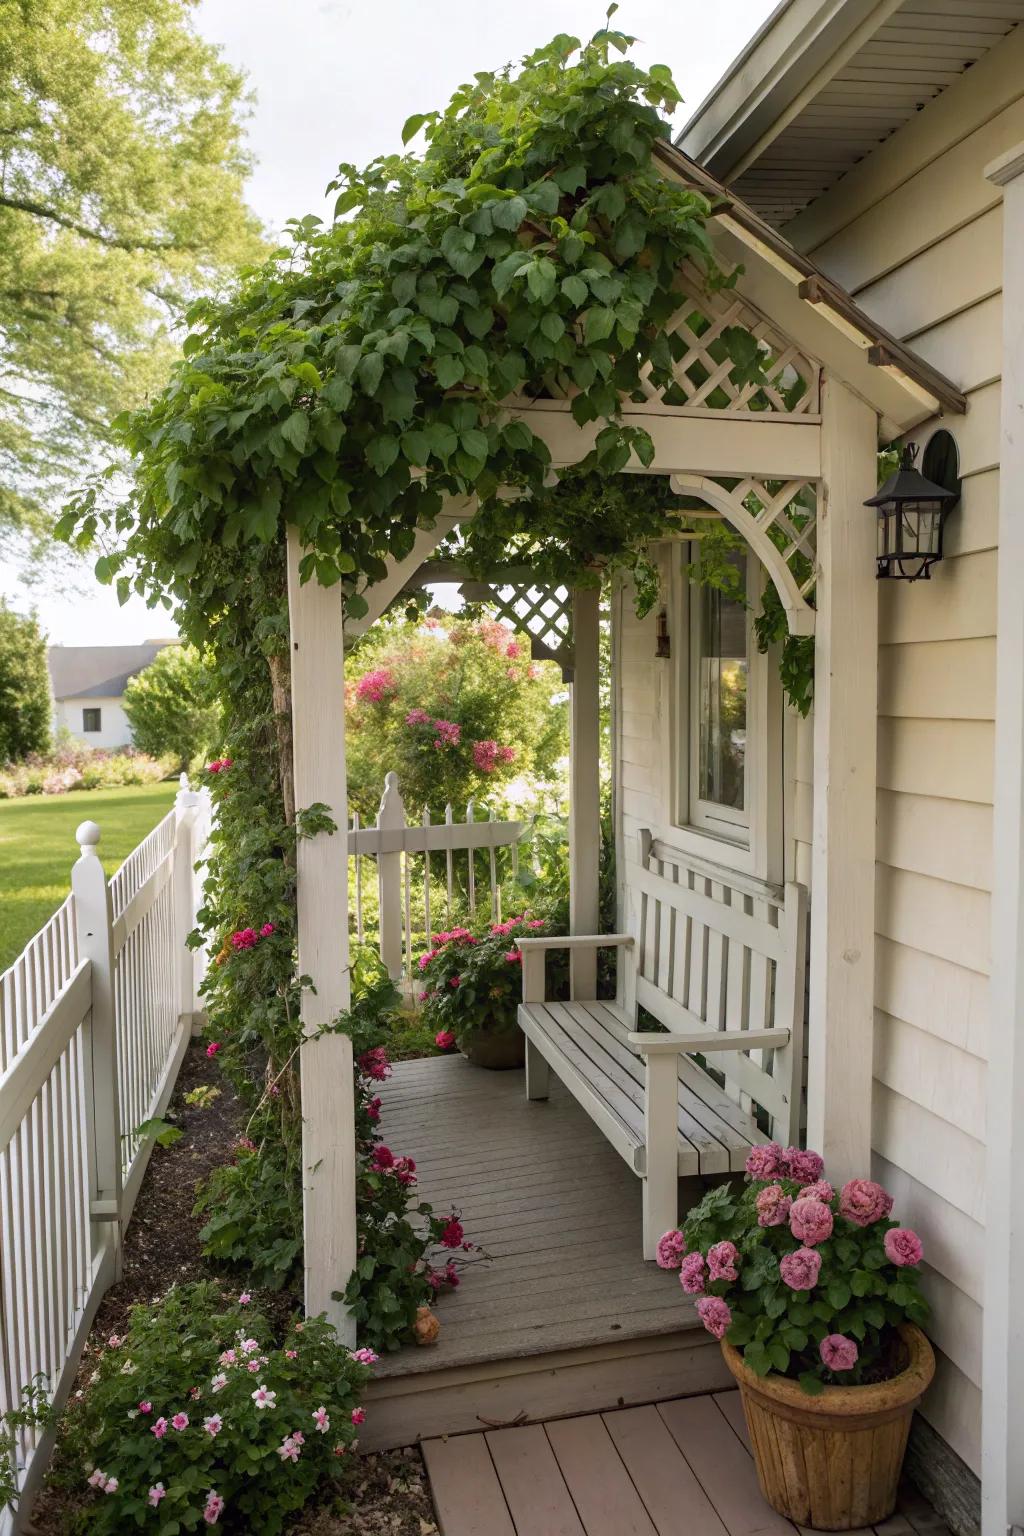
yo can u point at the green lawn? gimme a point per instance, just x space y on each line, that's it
38 848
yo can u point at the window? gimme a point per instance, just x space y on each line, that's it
720 665
91 720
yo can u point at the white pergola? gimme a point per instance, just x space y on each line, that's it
861 387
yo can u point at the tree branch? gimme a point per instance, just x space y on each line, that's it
115 242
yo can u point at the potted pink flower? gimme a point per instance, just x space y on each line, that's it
814 1293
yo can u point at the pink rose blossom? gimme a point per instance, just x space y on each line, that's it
373 1109
803 1167
444 1039
322 1420
810 1221
512 650
902 1247
358 1415
156 1493
267 930
767 1162
145 1406
213 1048
772 1206
180 1422
862 1201
250 1346
375 1064
364 1356
159 1429
383 1159
671 1249
822 1191
838 1352
714 1314
800 1270
214 1424
722 1261
692 1275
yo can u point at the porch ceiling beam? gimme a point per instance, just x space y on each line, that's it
382 593
706 443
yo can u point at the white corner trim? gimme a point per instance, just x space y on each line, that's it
1006 167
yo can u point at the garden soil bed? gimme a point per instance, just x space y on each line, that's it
391 1495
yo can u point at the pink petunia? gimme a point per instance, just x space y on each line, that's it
322 1420
903 1247
714 1314
155 1494
145 1406
671 1249
289 1449
159 1429
838 1352
214 1424
692 1274
263 1398
766 1162
180 1422
723 1259
800 1270
810 1221
863 1202
772 1205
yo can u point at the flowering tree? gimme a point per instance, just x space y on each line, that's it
455 707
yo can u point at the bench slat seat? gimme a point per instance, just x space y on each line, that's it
719 963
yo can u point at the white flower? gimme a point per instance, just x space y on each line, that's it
264 1399
111 1485
214 1424
219 1382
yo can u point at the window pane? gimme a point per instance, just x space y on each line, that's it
722 701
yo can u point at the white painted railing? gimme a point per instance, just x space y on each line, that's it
95 1016
403 850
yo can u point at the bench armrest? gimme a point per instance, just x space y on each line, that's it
709 1040
578 941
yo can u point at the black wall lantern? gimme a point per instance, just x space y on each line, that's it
912 510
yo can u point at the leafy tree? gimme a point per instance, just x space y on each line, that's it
455 707
172 707
25 706
120 199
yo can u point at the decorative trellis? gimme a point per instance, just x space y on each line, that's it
544 613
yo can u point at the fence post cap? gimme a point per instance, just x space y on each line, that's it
87 836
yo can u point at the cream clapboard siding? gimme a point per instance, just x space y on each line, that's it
915 233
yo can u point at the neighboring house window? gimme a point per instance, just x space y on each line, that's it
727 729
91 720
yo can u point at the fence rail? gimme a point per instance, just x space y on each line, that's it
95 1016
407 855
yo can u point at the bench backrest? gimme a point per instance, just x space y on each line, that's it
716 950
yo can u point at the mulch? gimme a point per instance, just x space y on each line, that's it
391 1496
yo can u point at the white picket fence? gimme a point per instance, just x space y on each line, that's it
95 1017
402 852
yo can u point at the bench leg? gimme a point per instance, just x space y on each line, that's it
661 1124
538 1073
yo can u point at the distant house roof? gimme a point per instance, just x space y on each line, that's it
98 671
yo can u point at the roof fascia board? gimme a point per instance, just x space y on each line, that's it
801 46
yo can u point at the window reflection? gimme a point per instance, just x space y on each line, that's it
722 700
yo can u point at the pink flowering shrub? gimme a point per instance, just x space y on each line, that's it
806 1279
474 981
202 1414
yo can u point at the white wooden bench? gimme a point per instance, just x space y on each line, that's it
718 959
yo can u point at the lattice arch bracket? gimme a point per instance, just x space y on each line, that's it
778 520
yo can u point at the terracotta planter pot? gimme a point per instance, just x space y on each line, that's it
499 1050
833 1462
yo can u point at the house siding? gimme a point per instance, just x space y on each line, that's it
115 731
915 233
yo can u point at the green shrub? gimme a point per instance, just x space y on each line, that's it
171 1435
254 1215
474 981
172 707
25 706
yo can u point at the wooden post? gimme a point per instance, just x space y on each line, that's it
585 786
390 817
1002 1466
842 972
661 1134
93 922
328 1098
186 805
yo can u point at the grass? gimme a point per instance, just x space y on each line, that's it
38 848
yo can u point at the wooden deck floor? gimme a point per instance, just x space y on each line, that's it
555 1207
682 1468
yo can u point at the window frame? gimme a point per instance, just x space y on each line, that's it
750 841
97 711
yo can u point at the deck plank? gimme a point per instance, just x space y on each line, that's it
601 1487
723 1467
534 1488
664 1479
467 1493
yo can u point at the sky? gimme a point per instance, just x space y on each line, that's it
335 80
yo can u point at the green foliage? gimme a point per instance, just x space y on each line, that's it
164 1134
172 706
25 705
189 1354
35 1413
407 679
253 1211
122 199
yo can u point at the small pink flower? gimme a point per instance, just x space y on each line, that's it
214 1506
383 1158
454 981
159 1429
810 1221
692 1275
321 1419
376 687
767 1162
244 1299
862 1201
364 1356
229 1357
156 1493
254 1367
772 1206
452 1233
800 1270
714 1314
291 1354
903 1247
214 1424
267 930
145 1406
804 1167
514 956
838 1352
375 1064
250 1346
97 1479
722 1261
263 1398
373 1109
289 1449
298 1437
822 1191
180 1422
219 1382
213 1048
114 1342
444 1039
358 1415
671 1249
244 938
111 1485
